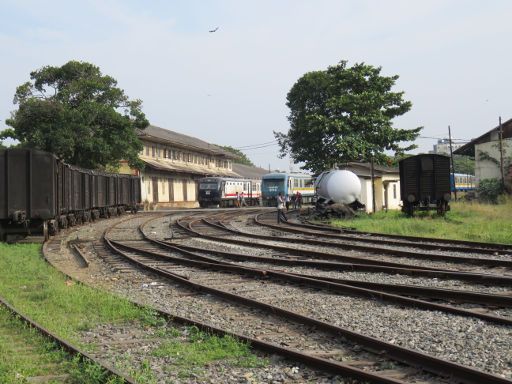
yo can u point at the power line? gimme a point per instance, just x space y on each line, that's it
444 138
260 147
256 145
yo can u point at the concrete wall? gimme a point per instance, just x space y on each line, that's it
393 199
487 169
166 197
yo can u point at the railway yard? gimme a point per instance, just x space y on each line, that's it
317 304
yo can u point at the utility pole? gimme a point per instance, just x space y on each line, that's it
373 183
452 163
502 172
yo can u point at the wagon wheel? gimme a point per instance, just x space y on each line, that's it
441 208
46 234
409 209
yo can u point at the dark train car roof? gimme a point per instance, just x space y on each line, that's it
410 158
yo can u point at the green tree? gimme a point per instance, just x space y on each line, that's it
464 164
344 114
79 114
241 157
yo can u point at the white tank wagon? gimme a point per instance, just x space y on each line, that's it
338 187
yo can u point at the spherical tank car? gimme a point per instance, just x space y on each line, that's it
342 187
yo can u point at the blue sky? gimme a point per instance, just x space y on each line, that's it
229 87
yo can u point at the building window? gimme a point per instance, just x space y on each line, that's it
394 191
157 151
153 151
147 150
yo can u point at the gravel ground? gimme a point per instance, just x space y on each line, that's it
388 258
363 276
112 340
467 341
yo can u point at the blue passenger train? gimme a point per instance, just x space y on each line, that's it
462 182
287 184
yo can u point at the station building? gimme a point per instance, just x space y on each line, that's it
173 164
387 185
488 150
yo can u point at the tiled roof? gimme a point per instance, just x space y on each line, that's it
248 171
170 166
469 148
171 137
364 169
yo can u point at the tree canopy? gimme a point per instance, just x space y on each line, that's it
344 114
464 164
79 114
241 158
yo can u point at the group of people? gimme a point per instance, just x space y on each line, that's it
284 201
240 200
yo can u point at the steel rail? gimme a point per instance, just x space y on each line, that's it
493 246
377 267
429 363
437 293
369 249
209 264
311 361
292 227
294 251
411 290
64 344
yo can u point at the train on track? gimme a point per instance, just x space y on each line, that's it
425 183
462 182
288 184
39 194
222 191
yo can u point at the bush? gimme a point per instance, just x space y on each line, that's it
489 190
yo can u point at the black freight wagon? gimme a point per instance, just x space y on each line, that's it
40 194
425 183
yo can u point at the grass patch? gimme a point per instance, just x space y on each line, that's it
25 353
194 349
67 308
38 290
465 221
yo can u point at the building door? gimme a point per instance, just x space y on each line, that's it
185 185
155 189
171 189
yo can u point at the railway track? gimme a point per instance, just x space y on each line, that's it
340 242
47 369
137 249
361 288
420 242
208 230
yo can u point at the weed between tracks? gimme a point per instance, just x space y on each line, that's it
25 353
465 221
67 309
194 349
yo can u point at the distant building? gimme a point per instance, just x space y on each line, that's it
387 185
443 147
486 151
173 164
